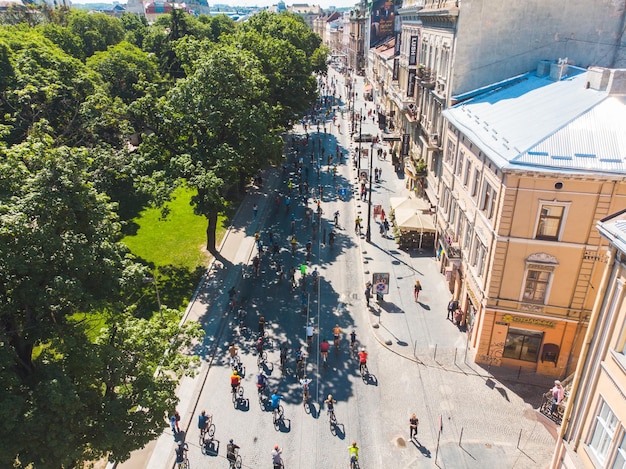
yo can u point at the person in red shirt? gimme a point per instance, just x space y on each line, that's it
362 359
324 346
235 379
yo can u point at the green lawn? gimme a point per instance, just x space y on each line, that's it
173 243
178 239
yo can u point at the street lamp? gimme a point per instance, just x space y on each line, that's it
368 232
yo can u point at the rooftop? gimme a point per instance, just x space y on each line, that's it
537 123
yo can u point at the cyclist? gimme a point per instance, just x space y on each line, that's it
310 330
352 339
324 346
299 355
362 359
316 276
309 245
259 345
235 380
294 244
232 351
354 454
180 453
276 459
203 421
330 404
261 326
261 381
231 452
336 335
304 382
275 399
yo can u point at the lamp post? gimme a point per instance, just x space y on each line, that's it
368 232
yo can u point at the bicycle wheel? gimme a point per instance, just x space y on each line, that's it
240 392
238 462
211 430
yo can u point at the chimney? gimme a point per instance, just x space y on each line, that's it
613 81
543 68
559 70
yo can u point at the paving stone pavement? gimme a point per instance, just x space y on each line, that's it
470 416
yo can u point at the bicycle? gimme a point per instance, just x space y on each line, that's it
235 462
332 419
184 464
278 414
261 358
354 462
208 430
300 368
364 371
236 394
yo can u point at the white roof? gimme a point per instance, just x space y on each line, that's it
541 124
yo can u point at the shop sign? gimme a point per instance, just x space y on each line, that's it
508 318
405 145
413 51
410 86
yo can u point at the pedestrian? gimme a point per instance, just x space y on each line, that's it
453 305
558 393
276 457
357 225
386 225
382 213
255 209
287 203
368 292
417 289
174 423
413 423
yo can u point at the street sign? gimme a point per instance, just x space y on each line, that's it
381 283
343 191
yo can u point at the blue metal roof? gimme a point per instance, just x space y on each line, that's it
540 124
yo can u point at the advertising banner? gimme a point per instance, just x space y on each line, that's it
382 21
410 86
396 68
405 145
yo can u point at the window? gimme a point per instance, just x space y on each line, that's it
450 152
522 344
468 169
536 285
459 163
488 202
603 433
478 256
476 183
550 220
467 240
452 214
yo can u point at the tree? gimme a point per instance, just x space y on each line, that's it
96 30
45 84
123 67
71 390
220 123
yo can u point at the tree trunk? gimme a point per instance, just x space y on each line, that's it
210 232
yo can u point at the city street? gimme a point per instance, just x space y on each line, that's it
418 360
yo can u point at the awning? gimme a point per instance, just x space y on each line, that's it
391 138
412 220
410 203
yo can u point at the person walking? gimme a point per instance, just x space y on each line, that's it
453 305
417 289
174 419
368 293
255 210
558 393
413 423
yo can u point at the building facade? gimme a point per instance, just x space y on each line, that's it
519 199
593 433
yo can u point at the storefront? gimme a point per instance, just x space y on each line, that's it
533 343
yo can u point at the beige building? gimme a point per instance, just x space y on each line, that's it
593 434
529 166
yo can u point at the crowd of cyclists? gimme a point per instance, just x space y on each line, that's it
298 191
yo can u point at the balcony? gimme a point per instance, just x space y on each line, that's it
453 249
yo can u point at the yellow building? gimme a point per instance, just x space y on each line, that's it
529 166
593 433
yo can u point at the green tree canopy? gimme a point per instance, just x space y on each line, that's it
123 67
71 392
97 31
